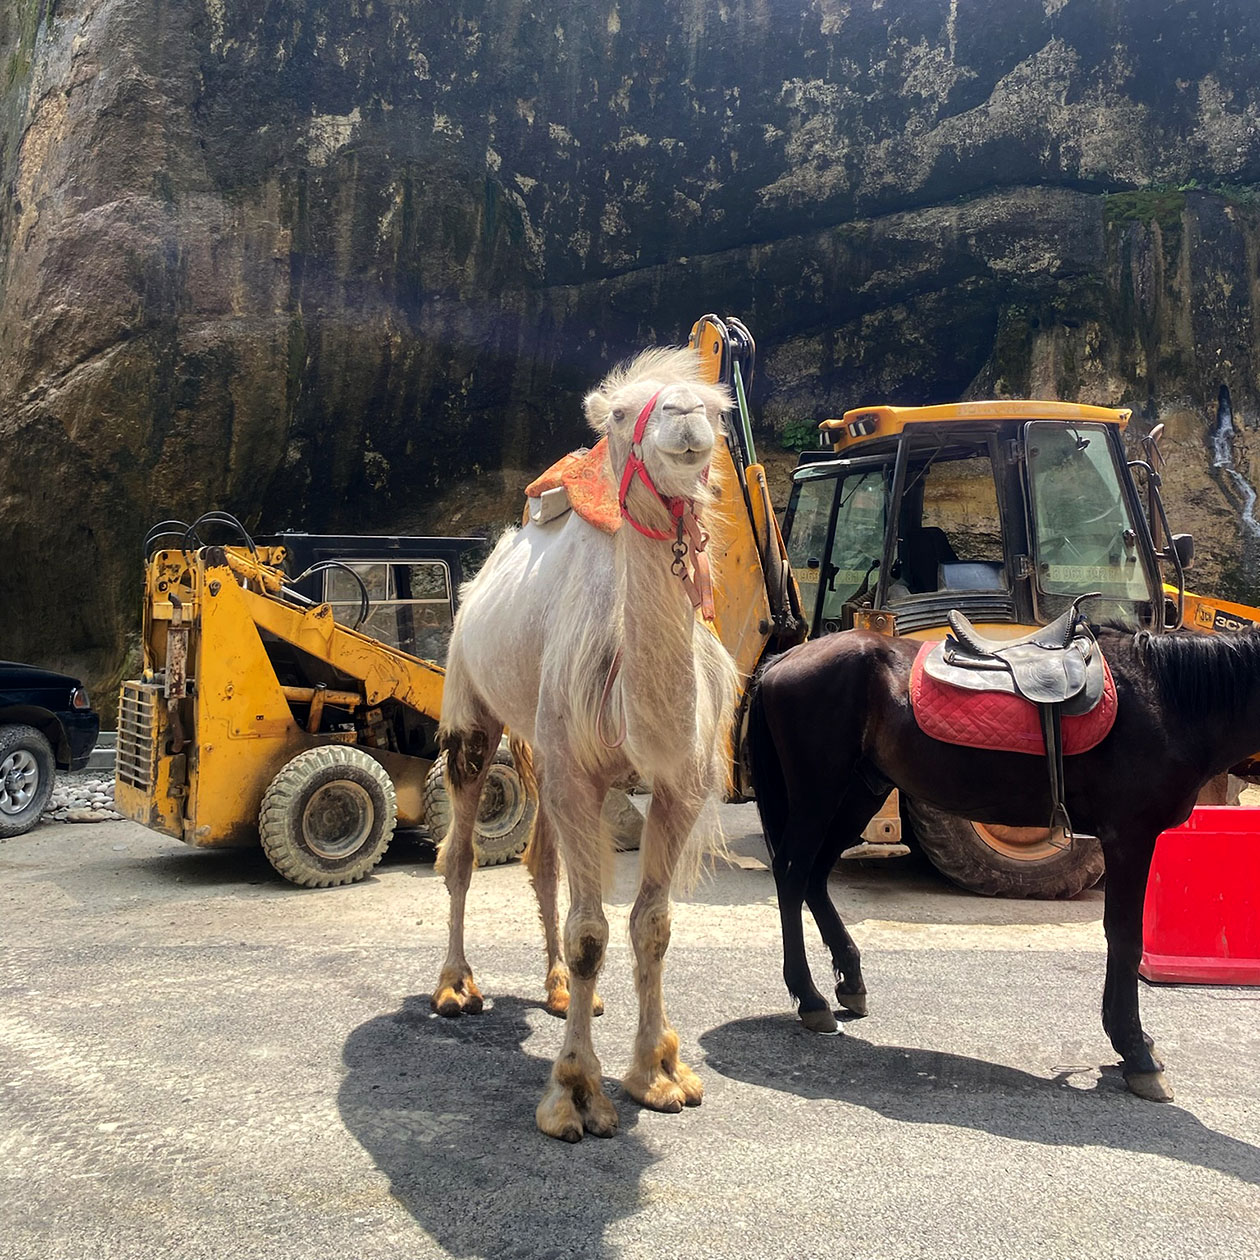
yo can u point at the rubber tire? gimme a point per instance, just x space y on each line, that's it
489 850
28 739
953 847
284 802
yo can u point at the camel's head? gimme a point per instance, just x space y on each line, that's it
681 429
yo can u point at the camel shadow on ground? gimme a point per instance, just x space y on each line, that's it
918 1086
446 1110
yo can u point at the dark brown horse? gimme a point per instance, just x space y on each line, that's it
831 732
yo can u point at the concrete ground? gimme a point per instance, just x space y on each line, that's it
197 1059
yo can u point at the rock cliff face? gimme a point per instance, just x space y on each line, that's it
319 261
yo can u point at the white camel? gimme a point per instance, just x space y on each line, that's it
585 645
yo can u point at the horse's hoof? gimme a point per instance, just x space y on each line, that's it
819 1021
1149 1085
854 1003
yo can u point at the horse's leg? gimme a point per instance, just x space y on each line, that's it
468 760
857 809
542 860
793 863
574 1099
658 1078
1128 865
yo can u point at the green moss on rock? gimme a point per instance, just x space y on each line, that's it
1164 206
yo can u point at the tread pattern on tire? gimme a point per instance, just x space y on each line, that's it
953 847
15 736
437 817
278 828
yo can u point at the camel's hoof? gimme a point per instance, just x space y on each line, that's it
557 1004
557 1117
854 1003
1149 1085
452 1002
662 1081
690 1084
560 1117
669 1093
819 1021
667 1090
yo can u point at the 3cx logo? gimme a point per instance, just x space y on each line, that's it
1227 621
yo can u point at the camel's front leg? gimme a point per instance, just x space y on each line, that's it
574 1100
468 759
1127 870
658 1078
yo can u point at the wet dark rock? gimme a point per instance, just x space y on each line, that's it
319 262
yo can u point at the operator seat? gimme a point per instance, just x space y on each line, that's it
923 551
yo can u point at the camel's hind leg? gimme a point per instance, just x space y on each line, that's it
468 759
658 1078
542 860
574 1100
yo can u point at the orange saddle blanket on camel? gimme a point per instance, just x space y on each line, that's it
587 487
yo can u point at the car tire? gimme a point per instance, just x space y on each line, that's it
328 816
27 771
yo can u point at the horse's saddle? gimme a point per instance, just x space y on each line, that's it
1057 664
1058 668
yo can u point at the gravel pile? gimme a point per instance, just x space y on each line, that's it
84 797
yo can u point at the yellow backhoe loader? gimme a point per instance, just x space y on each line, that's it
291 695
1006 510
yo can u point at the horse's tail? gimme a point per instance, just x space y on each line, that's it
769 785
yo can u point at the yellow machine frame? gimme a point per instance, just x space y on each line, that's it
214 604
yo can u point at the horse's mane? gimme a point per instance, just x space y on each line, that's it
1201 673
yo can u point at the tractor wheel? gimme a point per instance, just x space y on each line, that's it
328 816
999 861
505 814
27 768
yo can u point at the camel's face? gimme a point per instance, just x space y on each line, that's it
678 441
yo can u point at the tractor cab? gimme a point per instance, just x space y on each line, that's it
1004 510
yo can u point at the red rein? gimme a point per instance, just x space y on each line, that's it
687 533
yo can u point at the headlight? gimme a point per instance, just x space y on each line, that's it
79 699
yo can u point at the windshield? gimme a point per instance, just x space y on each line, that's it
1084 535
852 567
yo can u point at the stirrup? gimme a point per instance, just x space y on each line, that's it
1061 834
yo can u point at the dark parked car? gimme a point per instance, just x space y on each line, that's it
46 722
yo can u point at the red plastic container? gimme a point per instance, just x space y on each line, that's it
1201 923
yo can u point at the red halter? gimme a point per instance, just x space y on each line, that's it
687 533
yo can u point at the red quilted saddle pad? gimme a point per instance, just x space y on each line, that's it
994 719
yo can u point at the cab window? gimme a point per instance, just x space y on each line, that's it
951 535
850 570
1083 530
410 604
